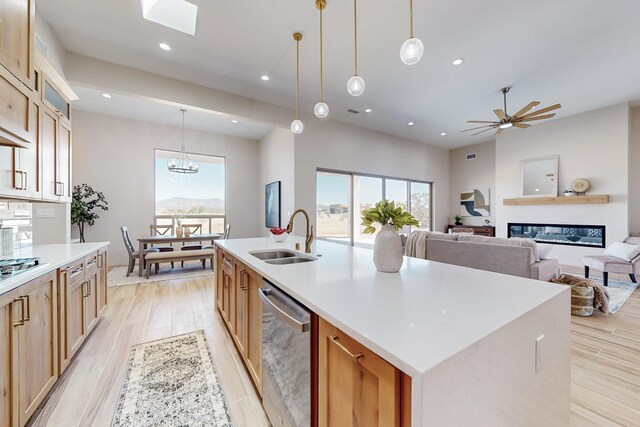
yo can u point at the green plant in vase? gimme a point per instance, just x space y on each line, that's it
85 200
387 251
458 220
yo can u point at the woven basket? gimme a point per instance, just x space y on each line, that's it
582 300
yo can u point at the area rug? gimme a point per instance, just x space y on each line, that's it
172 382
619 292
118 275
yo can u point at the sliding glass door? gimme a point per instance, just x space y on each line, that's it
342 196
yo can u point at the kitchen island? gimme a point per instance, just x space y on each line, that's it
480 348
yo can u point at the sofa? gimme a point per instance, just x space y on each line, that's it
516 257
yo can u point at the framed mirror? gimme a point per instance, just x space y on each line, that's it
540 177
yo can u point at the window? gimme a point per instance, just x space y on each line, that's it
341 196
198 198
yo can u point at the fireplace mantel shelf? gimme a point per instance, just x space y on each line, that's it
562 200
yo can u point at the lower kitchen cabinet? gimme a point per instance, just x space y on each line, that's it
29 363
239 320
356 386
253 355
102 285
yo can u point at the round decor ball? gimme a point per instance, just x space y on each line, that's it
580 185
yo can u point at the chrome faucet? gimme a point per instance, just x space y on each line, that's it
309 237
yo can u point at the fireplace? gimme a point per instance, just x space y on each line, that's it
592 236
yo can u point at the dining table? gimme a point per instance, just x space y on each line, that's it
171 238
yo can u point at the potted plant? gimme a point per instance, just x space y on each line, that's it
387 251
84 202
458 220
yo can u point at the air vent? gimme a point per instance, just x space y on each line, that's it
41 46
472 156
352 111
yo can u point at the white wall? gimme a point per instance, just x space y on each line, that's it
634 172
277 164
56 53
116 156
333 145
473 174
592 145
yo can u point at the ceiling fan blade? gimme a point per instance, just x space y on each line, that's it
543 110
492 127
521 125
481 121
500 114
530 119
479 127
500 130
526 109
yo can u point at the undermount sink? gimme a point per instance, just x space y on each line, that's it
283 261
282 257
273 254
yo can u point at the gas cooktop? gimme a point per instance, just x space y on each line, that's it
9 267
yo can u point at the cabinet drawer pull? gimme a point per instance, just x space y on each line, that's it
356 357
77 270
84 290
24 183
93 261
21 321
28 317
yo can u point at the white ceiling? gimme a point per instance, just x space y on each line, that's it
155 111
580 53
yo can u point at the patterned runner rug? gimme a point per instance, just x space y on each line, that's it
172 382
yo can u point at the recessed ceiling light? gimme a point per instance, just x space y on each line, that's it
537 189
234 121
106 95
264 78
443 134
165 46
368 110
457 61
410 123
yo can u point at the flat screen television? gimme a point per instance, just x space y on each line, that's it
272 205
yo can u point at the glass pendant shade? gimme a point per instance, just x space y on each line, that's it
321 110
411 51
182 163
297 126
355 86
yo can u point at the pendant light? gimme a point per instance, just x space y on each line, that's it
297 126
321 109
355 85
182 164
412 49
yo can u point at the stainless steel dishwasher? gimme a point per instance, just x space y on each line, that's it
286 358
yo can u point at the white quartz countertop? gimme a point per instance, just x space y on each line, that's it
416 318
51 257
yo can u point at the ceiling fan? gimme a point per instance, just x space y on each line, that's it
517 120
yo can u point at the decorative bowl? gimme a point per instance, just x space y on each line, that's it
280 237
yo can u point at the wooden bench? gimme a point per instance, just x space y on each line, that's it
159 257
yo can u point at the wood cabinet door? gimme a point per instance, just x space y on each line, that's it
17 38
49 135
27 160
8 183
219 279
63 165
15 106
102 285
356 386
37 344
254 328
74 313
227 284
240 309
8 350
90 301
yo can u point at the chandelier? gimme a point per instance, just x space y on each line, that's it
182 164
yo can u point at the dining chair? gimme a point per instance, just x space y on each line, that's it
193 229
133 254
162 230
227 232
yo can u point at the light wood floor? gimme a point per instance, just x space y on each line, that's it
605 356
88 391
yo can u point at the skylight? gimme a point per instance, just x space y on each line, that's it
177 14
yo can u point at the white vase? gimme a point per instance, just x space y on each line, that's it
179 231
387 251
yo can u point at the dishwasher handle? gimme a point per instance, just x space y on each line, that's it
266 297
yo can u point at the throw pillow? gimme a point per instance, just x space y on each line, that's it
623 251
543 250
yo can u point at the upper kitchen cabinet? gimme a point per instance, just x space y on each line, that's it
17 32
17 75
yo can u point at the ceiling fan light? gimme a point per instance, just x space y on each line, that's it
297 126
356 86
321 110
506 125
411 51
